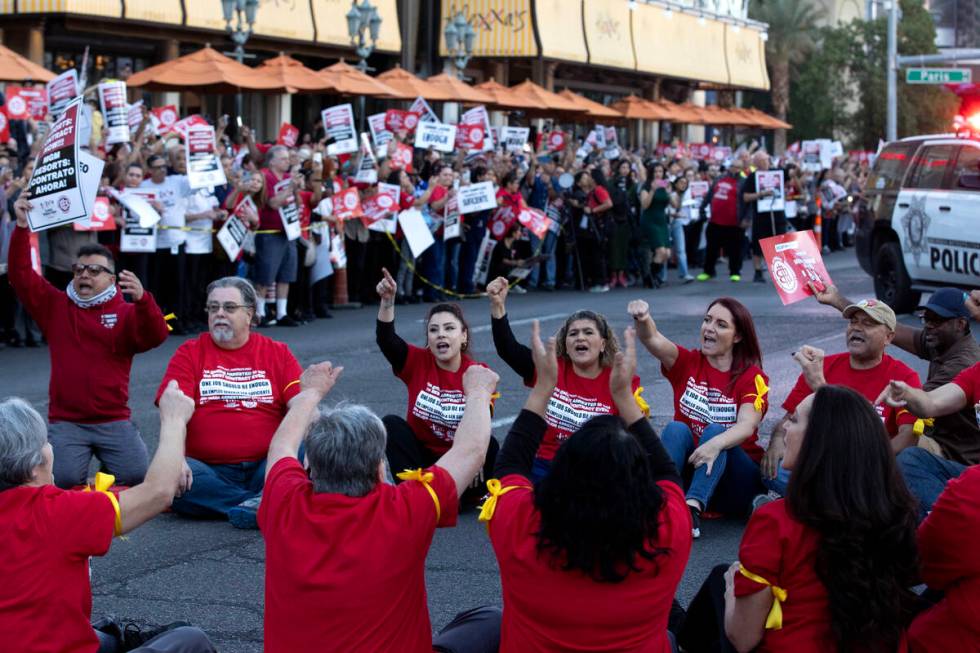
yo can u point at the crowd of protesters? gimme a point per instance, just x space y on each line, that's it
866 491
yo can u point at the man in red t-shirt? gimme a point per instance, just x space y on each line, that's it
723 230
242 383
49 535
337 536
276 258
865 367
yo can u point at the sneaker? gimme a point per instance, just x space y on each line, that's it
287 321
134 636
758 277
687 278
519 290
245 514
695 522
704 276
763 499
267 321
599 288
735 278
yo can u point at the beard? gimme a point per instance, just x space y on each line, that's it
222 333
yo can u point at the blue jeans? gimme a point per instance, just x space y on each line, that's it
540 469
778 484
216 489
549 265
430 266
679 245
926 476
734 476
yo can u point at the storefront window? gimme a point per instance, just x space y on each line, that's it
100 65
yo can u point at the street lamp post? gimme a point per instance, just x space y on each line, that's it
363 27
460 37
243 13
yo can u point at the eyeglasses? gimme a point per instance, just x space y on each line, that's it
933 319
93 269
227 307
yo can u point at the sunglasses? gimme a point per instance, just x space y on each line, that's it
228 308
93 269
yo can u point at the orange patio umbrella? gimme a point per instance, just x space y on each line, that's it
591 107
545 99
413 86
292 76
726 116
459 90
204 71
632 107
764 120
348 80
505 98
15 68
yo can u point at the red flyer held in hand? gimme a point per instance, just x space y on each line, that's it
794 260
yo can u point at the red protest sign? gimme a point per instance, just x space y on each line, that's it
501 221
556 141
166 116
470 137
101 218
378 206
4 126
397 120
401 158
347 204
288 135
535 221
794 260
21 102
181 127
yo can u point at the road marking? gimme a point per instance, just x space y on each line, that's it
528 320
503 421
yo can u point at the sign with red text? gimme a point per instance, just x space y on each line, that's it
338 124
380 136
134 116
288 135
388 219
100 220
479 116
232 237
379 206
699 189
367 165
469 138
422 109
794 260
181 127
535 221
347 204
772 182
4 126
164 118
115 111
61 91
24 103
501 221
288 210
401 158
397 120
204 169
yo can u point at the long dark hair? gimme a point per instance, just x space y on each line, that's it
847 487
599 504
746 352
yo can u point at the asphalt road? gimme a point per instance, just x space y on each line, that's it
212 575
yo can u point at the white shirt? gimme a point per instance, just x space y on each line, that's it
173 194
200 241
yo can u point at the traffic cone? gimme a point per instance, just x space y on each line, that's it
818 223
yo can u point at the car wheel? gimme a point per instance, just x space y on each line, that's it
892 283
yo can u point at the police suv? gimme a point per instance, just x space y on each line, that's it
918 222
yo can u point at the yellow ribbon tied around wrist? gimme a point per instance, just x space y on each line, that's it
424 478
168 318
921 424
102 484
496 491
761 390
775 619
641 402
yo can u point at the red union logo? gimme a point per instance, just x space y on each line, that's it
783 275
350 200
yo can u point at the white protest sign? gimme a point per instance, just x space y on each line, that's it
452 226
425 113
770 180
288 212
811 155
436 135
417 233
137 237
61 91
338 123
477 197
482 267
115 111
479 116
514 138
134 116
367 171
379 135
203 166
231 236
322 267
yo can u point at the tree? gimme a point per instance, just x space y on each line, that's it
792 25
821 88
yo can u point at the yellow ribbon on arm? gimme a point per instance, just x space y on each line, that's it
641 402
169 317
775 619
921 424
102 484
496 491
761 390
424 478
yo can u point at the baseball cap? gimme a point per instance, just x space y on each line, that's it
947 302
878 311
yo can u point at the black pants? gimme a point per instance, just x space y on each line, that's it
472 631
198 278
728 238
179 640
592 254
704 627
139 264
356 259
404 451
168 282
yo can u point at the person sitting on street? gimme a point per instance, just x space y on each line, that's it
93 334
49 535
586 348
345 551
720 398
865 367
241 383
434 378
928 479
824 569
591 556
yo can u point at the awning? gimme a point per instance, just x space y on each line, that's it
458 90
411 86
591 108
608 33
204 71
746 55
545 99
292 76
167 12
348 80
503 27
559 25
105 8
677 44
15 68
330 18
503 97
632 107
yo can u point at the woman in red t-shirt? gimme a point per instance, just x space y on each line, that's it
591 556
828 568
720 397
586 348
434 378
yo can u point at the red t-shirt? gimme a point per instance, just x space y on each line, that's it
548 609
574 402
782 551
269 217
48 536
869 383
724 202
348 573
598 196
438 193
511 200
240 395
947 550
435 398
969 381
704 395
